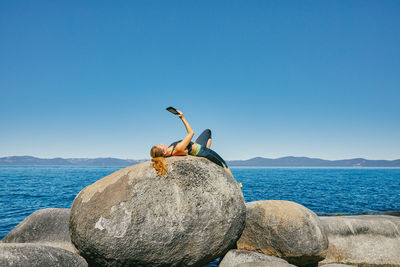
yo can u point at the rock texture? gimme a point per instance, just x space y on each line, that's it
368 240
134 217
337 265
237 257
47 227
284 229
35 255
265 264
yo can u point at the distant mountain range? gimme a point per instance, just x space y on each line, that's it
313 162
254 162
33 161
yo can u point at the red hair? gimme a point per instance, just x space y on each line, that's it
158 160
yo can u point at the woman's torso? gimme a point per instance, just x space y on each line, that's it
191 146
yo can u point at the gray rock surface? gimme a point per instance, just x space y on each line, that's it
36 255
336 265
235 257
284 229
367 240
188 217
47 227
265 264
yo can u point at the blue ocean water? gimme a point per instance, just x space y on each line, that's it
26 189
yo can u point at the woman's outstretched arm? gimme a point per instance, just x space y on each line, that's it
181 146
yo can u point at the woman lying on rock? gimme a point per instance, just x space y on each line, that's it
200 148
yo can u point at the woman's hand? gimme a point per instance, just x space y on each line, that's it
180 114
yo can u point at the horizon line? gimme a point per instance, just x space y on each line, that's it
108 157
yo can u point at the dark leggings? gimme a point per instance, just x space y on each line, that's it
203 137
207 152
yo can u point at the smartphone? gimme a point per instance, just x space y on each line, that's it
172 110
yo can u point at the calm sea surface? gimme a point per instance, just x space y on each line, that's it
24 190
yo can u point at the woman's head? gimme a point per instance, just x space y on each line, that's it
157 153
158 150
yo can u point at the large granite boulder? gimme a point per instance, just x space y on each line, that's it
36 255
284 229
236 257
133 217
367 240
47 227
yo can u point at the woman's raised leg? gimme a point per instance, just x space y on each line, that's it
204 138
208 145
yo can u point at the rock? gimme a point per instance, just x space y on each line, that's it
265 264
237 257
284 229
336 265
134 217
47 227
36 255
392 212
367 240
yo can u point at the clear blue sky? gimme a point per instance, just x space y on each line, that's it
270 78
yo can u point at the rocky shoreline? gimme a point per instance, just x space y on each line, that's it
189 217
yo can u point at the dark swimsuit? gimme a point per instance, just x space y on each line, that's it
202 150
189 146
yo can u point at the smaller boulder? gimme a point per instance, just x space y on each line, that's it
46 226
366 240
284 229
236 257
265 264
337 265
36 255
